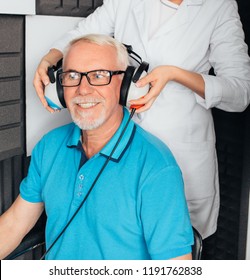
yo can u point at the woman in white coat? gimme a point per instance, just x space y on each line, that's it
181 40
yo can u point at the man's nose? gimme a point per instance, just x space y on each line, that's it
84 86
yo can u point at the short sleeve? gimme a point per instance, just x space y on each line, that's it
164 215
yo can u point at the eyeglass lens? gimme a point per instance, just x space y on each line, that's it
96 77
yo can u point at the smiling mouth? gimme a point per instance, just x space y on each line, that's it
87 105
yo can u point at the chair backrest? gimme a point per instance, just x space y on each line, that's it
197 247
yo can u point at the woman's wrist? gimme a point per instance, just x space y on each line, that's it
52 57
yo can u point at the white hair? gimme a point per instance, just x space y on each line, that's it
102 40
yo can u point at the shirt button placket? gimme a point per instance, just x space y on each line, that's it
80 186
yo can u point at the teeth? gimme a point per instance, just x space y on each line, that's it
87 105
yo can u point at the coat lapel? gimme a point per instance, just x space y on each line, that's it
140 14
142 10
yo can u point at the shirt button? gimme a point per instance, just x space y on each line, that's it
81 177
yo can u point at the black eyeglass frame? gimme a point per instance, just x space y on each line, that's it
111 74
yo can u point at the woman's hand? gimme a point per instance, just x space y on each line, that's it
159 77
41 78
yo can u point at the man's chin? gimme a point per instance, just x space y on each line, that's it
88 124
86 119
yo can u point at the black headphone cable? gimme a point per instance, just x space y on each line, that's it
92 186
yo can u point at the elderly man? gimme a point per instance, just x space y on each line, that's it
110 189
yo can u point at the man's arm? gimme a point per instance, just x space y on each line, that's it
16 222
184 257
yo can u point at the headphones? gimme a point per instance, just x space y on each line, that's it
128 90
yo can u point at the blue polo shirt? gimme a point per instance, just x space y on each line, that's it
136 210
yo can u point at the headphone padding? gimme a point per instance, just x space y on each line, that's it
59 89
128 75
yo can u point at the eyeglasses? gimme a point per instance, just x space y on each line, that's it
94 78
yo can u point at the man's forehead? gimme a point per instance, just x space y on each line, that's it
92 47
90 53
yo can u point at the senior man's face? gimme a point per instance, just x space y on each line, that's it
92 106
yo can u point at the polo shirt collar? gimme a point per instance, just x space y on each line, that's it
125 141
107 149
75 137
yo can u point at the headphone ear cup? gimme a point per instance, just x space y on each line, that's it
59 88
127 79
54 91
129 90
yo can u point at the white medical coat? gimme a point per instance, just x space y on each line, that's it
202 34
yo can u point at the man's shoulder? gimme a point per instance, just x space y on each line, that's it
60 131
153 145
54 140
145 135
57 136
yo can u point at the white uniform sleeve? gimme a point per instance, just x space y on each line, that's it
101 21
230 89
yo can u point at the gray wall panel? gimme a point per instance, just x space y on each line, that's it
11 34
10 66
10 114
10 89
78 8
12 71
10 138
